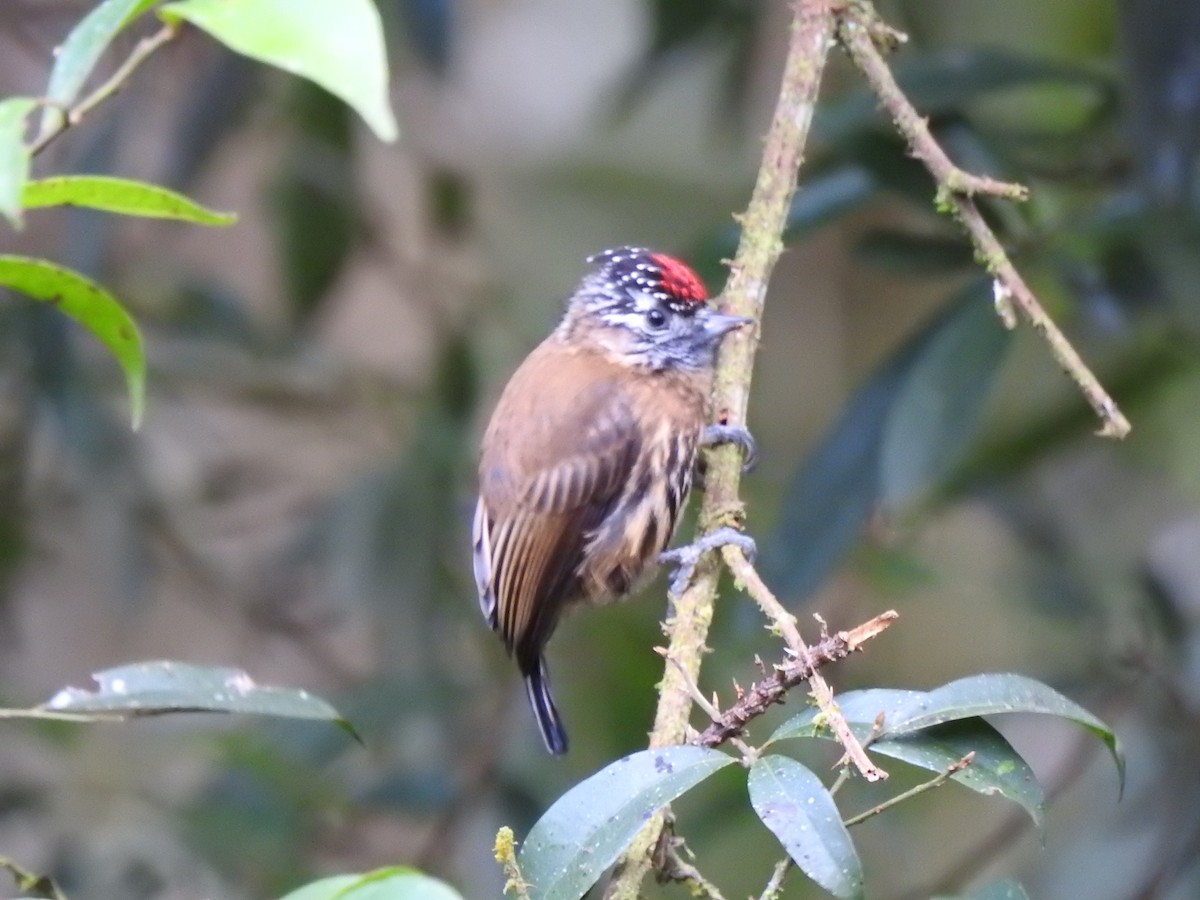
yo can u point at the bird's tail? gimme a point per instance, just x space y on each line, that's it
537 686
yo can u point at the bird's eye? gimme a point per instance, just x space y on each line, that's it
656 318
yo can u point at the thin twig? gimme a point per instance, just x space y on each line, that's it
709 707
745 573
938 781
861 32
671 866
774 888
761 695
111 86
758 249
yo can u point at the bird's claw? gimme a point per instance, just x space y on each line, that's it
686 558
738 436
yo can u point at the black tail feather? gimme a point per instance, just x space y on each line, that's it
537 686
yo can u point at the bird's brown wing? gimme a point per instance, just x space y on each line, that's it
551 478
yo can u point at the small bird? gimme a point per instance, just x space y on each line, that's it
589 455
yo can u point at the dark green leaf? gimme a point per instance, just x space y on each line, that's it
586 829
76 57
337 44
14 155
826 196
986 695
799 810
913 254
395 883
840 483
996 769
937 411
946 81
120 195
159 687
313 198
90 305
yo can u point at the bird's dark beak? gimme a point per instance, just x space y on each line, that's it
719 324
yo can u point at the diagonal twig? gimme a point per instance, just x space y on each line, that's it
861 32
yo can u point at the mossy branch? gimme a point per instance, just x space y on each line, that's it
812 33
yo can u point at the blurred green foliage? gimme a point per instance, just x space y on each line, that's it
298 502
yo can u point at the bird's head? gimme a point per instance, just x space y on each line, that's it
647 308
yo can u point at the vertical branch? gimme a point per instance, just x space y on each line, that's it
812 33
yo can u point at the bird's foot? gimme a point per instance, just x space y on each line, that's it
685 558
738 436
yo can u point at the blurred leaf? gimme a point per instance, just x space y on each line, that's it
221 92
839 484
934 416
947 81
1162 44
833 494
337 44
586 829
160 687
393 883
680 26
90 305
996 769
822 199
76 57
120 195
14 155
799 810
31 884
1004 889
430 29
913 254
313 198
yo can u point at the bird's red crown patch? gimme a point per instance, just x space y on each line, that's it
679 280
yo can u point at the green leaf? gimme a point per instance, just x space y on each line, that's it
14 155
393 883
986 695
937 411
586 829
76 57
90 305
160 687
336 43
799 810
120 195
996 769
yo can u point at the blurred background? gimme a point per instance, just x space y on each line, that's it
298 500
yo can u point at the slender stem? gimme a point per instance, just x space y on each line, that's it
938 781
861 31
111 86
747 575
774 887
812 32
